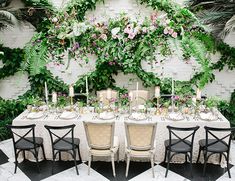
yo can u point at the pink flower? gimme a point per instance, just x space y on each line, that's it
128 29
174 34
131 35
93 36
153 17
103 37
170 31
165 31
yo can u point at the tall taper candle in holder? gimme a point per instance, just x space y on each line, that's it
71 93
198 94
131 99
109 96
157 95
137 93
87 92
172 95
54 98
46 93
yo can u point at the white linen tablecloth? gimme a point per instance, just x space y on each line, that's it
161 133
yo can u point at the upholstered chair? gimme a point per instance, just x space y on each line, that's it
140 142
101 141
102 96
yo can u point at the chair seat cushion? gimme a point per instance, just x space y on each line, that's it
138 153
106 152
178 147
23 144
64 145
217 147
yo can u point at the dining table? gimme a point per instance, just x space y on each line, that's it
162 133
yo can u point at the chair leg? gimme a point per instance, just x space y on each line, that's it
36 157
24 154
75 162
113 165
220 157
79 154
60 155
89 163
168 162
199 154
43 152
16 161
228 165
165 155
191 164
127 164
53 162
205 162
152 165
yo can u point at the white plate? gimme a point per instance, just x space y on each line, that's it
68 115
175 116
35 115
207 116
106 115
138 116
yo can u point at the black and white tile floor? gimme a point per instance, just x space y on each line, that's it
102 171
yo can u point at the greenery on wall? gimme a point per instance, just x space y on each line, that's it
120 45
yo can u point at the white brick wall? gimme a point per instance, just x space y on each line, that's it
12 87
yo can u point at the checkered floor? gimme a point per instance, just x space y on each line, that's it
102 171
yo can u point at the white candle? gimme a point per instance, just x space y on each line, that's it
194 101
199 94
109 94
172 86
131 96
137 90
87 85
71 91
157 91
54 97
46 92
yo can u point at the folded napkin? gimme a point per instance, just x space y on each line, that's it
176 116
207 116
138 116
68 115
35 115
106 115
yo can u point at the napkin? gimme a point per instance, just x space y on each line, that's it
106 115
35 115
207 116
138 116
68 115
176 116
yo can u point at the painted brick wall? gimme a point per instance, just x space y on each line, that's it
17 36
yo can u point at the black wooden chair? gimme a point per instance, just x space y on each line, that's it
179 145
62 143
26 142
216 145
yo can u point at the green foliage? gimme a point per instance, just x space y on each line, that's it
12 59
36 54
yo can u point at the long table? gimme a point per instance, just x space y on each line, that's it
161 133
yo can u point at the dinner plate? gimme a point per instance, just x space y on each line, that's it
68 115
35 115
175 116
106 115
207 116
138 116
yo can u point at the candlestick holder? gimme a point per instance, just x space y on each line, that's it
158 106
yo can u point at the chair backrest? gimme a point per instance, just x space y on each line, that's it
99 135
20 133
103 93
59 133
140 136
188 132
224 138
143 96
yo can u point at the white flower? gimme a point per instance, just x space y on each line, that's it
115 31
54 20
79 28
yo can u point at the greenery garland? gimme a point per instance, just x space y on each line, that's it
12 59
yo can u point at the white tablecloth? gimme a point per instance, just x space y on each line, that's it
161 133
